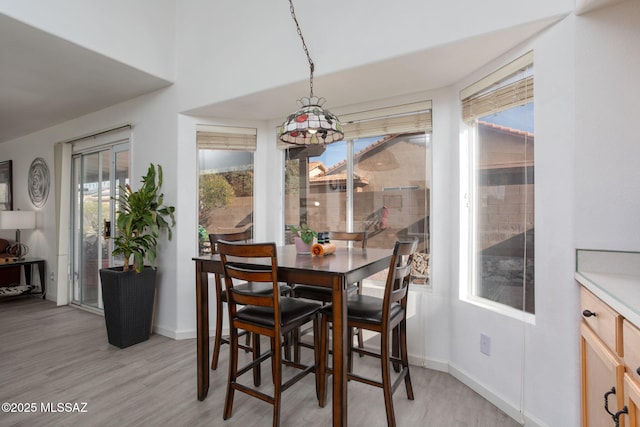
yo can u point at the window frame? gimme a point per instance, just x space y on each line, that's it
224 138
408 117
469 140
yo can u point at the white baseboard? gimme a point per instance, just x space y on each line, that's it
490 395
173 334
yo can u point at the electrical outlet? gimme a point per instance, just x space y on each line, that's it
485 344
52 276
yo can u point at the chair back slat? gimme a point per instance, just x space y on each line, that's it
237 236
399 276
350 236
241 262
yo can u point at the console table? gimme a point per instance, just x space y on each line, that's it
27 264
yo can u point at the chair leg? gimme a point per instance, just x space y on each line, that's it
287 345
350 350
276 356
386 380
233 373
405 359
395 347
316 352
257 373
217 343
360 341
272 343
324 359
360 333
296 344
247 341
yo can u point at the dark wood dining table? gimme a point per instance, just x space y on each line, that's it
335 271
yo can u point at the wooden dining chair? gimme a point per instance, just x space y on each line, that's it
381 315
221 294
324 294
273 316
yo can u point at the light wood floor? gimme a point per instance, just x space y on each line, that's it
53 355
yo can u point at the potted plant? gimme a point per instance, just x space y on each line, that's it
128 292
303 238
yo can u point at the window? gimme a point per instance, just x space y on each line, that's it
225 192
377 179
499 110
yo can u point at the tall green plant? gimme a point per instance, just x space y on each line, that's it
141 217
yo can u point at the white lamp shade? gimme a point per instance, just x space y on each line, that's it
17 220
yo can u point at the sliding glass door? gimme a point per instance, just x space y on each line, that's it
97 174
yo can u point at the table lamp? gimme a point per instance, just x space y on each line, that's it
17 220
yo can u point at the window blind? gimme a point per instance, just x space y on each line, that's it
225 138
508 87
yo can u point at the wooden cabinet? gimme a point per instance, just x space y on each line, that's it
609 336
632 401
602 380
631 346
602 368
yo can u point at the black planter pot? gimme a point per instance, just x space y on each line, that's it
128 304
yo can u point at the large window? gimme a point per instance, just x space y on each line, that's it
377 179
225 192
502 187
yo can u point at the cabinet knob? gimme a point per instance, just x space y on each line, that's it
638 370
588 313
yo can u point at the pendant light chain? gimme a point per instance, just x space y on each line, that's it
304 46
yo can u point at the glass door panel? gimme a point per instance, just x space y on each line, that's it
96 176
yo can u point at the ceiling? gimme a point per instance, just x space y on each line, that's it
46 80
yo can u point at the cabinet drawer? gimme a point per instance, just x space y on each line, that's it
631 341
605 322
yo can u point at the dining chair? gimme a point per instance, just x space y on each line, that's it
324 294
273 316
381 315
221 293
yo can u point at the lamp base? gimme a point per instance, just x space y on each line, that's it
18 250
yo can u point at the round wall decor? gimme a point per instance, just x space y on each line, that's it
39 182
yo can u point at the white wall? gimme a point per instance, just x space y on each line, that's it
607 192
139 33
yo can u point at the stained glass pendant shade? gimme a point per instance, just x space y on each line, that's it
311 124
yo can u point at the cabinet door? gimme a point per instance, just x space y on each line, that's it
632 397
602 371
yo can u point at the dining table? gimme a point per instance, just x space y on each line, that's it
335 271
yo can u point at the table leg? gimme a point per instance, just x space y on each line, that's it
340 347
28 267
43 282
202 326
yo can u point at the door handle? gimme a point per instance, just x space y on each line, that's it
106 229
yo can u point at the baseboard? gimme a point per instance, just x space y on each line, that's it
490 395
173 334
436 365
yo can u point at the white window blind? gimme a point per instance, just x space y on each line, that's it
415 117
508 87
225 138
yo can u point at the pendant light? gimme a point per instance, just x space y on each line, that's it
311 124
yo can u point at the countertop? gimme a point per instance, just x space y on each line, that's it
614 277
